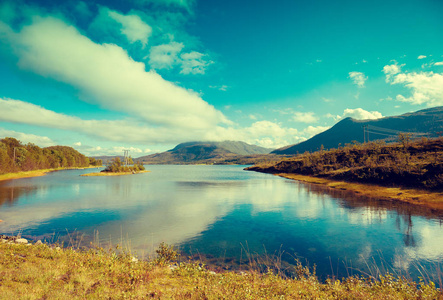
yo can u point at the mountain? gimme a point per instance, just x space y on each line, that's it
203 152
426 122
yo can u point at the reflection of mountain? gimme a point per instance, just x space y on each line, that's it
353 201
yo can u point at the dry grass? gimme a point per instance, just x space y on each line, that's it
27 174
34 173
42 272
409 172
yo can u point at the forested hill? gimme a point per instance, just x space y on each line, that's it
203 152
16 157
428 121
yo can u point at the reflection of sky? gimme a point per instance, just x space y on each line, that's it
217 209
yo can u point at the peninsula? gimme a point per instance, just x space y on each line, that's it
409 171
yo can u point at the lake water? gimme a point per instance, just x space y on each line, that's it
225 216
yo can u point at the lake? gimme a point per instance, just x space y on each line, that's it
226 217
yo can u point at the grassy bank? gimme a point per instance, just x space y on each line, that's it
34 173
45 272
409 171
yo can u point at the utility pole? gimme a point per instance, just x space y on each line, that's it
364 133
126 153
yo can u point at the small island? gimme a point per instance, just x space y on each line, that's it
117 168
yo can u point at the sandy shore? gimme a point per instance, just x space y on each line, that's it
36 173
429 199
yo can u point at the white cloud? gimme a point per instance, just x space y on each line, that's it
78 144
439 63
165 56
358 78
360 114
107 76
421 56
263 133
223 88
42 141
304 117
310 131
391 70
426 87
194 63
132 27
16 111
356 113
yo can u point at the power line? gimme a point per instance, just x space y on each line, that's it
387 132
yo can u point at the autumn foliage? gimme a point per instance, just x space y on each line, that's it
17 157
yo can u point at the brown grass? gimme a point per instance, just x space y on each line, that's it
35 173
44 272
410 172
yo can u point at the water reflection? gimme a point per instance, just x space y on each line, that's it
223 212
9 194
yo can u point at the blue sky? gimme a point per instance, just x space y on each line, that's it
145 75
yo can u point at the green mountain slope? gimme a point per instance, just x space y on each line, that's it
203 152
428 122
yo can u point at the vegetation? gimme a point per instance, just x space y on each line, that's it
117 166
49 272
410 164
17 157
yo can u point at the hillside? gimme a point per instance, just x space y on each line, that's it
427 121
416 164
203 152
18 157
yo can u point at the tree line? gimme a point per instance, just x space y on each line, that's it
17 157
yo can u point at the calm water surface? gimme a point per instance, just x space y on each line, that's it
223 214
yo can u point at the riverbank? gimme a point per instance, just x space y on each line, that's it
40 271
37 173
112 173
409 171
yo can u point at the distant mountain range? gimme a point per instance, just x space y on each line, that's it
203 152
426 122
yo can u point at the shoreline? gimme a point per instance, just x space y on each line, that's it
111 174
433 200
37 173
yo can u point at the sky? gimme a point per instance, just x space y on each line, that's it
144 75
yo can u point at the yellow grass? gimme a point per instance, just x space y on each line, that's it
414 196
111 173
34 173
44 272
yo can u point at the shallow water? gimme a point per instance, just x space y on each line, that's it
226 216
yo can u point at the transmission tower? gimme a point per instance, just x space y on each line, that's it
126 154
